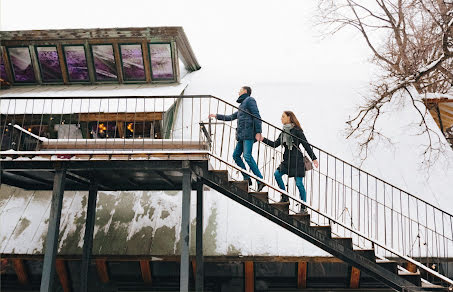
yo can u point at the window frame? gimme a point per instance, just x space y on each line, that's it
13 73
172 56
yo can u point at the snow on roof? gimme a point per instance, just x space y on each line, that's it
51 99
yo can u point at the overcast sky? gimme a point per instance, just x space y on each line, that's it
260 41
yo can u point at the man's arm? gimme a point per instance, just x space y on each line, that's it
225 117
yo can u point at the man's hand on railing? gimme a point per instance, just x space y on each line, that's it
213 116
259 137
315 163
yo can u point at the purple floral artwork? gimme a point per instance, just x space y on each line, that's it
2 67
132 58
49 64
21 64
77 63
104 62
161 63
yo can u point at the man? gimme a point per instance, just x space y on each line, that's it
247 133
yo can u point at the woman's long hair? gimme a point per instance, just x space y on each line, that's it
293 119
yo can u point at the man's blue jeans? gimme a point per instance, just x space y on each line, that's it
245 147
299 183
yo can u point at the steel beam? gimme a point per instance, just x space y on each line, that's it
185 228
48 269
199 280
88 238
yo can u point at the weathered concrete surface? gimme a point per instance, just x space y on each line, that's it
141 223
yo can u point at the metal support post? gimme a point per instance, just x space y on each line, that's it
185 227
199 240
48 269
88 238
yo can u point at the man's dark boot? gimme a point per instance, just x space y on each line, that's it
284 199
260 186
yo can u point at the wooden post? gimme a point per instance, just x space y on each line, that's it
101 266
63 275
355 278
301 275
411 267
146 271
50 254
185 227
249 277
21 272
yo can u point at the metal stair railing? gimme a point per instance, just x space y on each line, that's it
360 201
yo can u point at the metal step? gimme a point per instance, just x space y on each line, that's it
391 266
344 241
282 206
242 184
326 230
302 217
263 196
414 278
367 253
223 174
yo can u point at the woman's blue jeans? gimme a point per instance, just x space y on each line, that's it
245 147
299 183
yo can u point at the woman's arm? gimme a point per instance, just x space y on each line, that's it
273 144
307 147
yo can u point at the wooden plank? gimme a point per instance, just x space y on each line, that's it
63 275
146 271
355 278
146 61
301 275
21 271
101 266
194 268
411 267
9 72
119 71
64 72
249 277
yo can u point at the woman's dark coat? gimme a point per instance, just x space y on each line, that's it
293 160
248 126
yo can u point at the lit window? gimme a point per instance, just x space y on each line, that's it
49 64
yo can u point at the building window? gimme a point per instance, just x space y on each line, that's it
161 61
76 63
49 64
104 62
132 62
21 64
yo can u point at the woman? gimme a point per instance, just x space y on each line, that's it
293 161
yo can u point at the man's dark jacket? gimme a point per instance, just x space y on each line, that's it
248 126
293 161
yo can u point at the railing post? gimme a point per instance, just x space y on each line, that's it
185 227
88 238
199 240
48 270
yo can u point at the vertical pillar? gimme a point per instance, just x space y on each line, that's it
88 237
249 276
199 240
50 253
185 228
